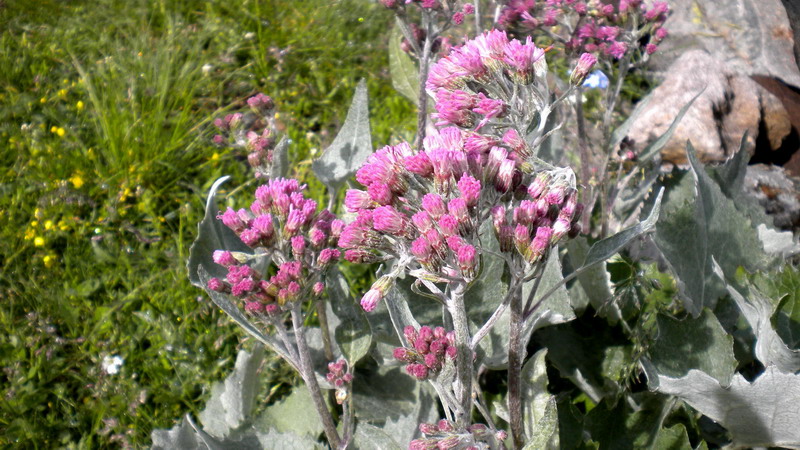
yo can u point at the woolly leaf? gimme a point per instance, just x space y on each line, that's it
758 311
370 437
708 225
232 400
212 235
556 307
295 414
594 281
538 406
608 247
784 285
350 148
759 414
404 73
693 343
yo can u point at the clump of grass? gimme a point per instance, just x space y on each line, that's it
104 110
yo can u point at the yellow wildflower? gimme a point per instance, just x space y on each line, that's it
43 100
49 260
61 132
80 105
76 181
54 129
38 241
48 225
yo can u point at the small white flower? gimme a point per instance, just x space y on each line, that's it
112 364
250 35
207 68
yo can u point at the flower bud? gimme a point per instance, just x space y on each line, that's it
223 258
216 285
585 64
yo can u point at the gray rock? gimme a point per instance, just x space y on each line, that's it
778 193
753 37
731 104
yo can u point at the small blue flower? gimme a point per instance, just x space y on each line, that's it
596 79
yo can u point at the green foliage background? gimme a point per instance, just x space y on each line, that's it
105 110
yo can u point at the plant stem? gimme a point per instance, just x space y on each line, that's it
515 357
424 63
310 378
463 355
326 333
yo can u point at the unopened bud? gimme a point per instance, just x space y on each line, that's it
585 64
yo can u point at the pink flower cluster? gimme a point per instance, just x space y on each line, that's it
234 131
445 435
340 378
593 26
549 212
428 348
490 55
455 176
285 224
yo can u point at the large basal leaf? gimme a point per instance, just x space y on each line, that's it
554 309
232 400
405 76
350 148
539 409
236 314
784 285
393 401
370 437
595 280
758 311
608 247
212 235
763 413
623 427
693 343
691 232
295 414
353 333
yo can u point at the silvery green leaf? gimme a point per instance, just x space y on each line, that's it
232 400
280 159
404 73
181 435
350 148
212 235
274 440
693 343
608 247
594 281
392 399
763 413
353 334
692 230
370 437
295 414
784 285
236 314
758 311
554 309
656 146
539 410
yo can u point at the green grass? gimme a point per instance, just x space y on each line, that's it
104 144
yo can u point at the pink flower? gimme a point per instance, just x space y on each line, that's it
617 49
470 189
489 108
585 64
388 220
370 300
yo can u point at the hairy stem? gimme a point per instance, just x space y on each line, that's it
326 333
463 355
424 64
310 378
516 351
